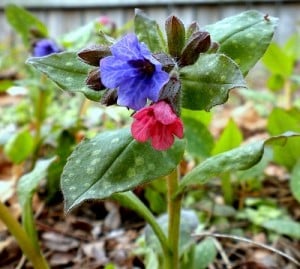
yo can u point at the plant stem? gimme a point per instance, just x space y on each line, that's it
227 188
288 94
33 255
130 200
174 210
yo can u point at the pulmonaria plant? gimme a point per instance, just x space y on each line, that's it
157 76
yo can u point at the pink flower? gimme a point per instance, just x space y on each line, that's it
158 123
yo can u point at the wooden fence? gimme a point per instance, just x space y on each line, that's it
63 16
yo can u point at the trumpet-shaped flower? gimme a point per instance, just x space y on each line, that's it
45 47
134 71
158 123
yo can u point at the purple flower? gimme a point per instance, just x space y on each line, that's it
134 71
45 47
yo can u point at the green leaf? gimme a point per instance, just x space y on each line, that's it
189 223
199 140
207 83
23 22
230 138
205 253
291 47
278 61
80 37
280 121
284 226
295 181
237 159
67 71
244 37
26 187
148 31
20 146
114 162
65 145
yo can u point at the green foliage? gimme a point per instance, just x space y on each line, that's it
230 138
20 146
65 144
279 121
244 37
284 226
155 193
26 187
147 30
295 181
240 158
207 83
205 253
189 223
199 140
24 23
114 162
66 71
278 61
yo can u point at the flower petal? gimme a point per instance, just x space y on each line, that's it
114 71
164 113
161 137
128 48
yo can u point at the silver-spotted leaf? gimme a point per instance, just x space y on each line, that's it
207 82
244 37
67 71
237 159
113 162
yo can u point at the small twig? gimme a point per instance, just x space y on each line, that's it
250 242
222 253
21 262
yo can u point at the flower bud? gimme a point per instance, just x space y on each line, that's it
214 47
199 42
109 97
93 80
171 93
92 55
166 61
193 28
175 35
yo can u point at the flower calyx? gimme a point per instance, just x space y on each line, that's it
93 54
93 80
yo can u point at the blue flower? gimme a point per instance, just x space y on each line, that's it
45 47
134 71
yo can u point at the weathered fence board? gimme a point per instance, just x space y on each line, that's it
62 20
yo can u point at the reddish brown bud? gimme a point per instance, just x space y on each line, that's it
166 61
92 55
175 35
193 28
199 42
93 80
109 97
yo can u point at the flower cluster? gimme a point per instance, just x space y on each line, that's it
139 77
135 78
